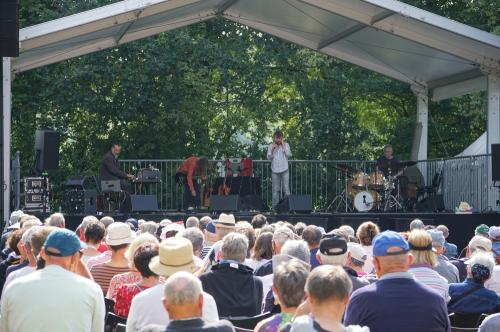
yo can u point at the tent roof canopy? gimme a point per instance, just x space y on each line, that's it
386 36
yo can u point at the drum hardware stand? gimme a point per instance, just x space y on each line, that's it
341 199
392 201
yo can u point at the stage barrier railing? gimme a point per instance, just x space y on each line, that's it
463 179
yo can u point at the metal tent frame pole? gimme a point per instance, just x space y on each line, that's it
6 131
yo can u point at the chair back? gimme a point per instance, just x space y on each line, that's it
464 329
109 304
239 329
460 320
248 322
112 322
121 328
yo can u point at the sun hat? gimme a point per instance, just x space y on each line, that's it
175 254
119 233
225 221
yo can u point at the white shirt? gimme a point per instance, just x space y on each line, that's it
16 274
147 308
279 157
494 282
52 299
368 267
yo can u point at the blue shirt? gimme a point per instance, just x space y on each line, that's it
397 303
480 301
314 261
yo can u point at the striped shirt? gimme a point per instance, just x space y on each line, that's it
102 274
425 275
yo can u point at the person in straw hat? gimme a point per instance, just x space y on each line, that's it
175 255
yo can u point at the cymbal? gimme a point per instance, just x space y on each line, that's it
346 168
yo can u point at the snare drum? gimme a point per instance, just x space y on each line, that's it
376 180
366 200
360 180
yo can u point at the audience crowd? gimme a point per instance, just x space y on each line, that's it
209 274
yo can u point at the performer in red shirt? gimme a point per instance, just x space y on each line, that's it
185 173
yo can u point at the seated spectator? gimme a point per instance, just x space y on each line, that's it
299 228
170 230
126 292
53 298
14 257
396 302
245 228
490 324
13 225
119 238
357 259
259 221
424 262
494 235
148 227
443 267
451 250
223 226
289 279
175 254
470 296
328 289
132 276
203 222
280 236
183 301
366 233
476 244
210 238
348 230
107 221
333 251
416 224
482 230
56 220
196 237
263 251
192 222
312 235
232 284
94 234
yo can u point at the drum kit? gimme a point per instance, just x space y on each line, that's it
385 189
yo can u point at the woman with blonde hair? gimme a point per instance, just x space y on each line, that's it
133 276
424 262
365 233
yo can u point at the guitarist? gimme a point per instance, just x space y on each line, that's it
185 174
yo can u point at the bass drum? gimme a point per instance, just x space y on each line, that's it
366 200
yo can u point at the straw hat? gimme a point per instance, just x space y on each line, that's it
175 254
119 233
225 221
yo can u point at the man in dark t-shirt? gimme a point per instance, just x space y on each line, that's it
387 164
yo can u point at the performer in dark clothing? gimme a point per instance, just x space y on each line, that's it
110 170
387 164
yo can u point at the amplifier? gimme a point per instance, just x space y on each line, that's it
78 201
36 185
36 194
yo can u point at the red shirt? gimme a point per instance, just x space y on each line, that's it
124 297
189 167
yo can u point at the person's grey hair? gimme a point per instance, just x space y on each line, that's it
289 278
28 234
56 220
32 221
328 282
107 220
192 222
348 230
148 227
86 221
195 236
417 224
283 234
182 288
483 258
234 247
298 249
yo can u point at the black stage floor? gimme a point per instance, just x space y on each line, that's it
461 225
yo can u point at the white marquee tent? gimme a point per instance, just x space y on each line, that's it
440 58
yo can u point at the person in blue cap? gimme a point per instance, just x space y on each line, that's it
54 298
396 302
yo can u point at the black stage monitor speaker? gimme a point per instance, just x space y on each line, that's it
251 203
144 203
432 203
46 150
295 203
495 162
223 203
9 28
77 201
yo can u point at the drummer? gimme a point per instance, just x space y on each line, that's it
387 164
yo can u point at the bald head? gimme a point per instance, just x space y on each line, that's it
183 297
392 263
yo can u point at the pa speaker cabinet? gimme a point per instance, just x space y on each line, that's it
77 201
224 203
47 149
9 28
144 203
495 162
296 203
432 203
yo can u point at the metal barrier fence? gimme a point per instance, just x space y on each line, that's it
463 179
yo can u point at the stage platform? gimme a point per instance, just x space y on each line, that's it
461 225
